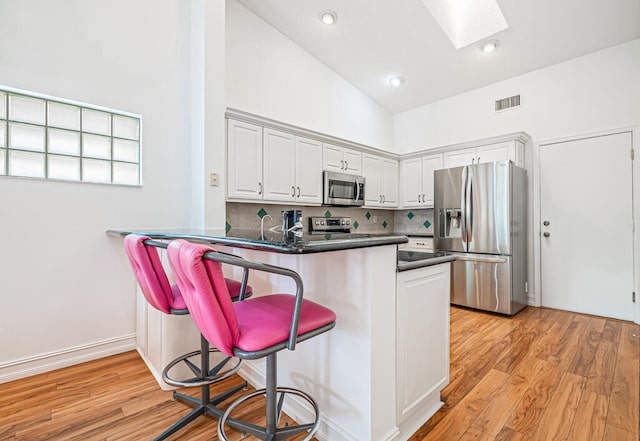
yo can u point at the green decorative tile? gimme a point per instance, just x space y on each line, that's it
384 224
368 215
227 227
356 225
410 215
262 213
427 224
327 214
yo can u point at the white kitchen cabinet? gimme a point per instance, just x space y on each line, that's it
416 176
292 168
381 181
422 339
513 150
244 152
341 160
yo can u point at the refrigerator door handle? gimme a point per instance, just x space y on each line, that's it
482 259
468 209
463 208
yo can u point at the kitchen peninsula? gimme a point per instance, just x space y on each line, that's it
378 375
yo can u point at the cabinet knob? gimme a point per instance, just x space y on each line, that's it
546 234
545 223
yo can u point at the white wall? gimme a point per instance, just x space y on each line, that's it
595 92
270 76
67 289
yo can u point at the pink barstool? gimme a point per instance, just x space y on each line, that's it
167 298
252 329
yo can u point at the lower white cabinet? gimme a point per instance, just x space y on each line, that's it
422 340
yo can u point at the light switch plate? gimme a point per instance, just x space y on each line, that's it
215 179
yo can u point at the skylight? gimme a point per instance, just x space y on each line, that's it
467 21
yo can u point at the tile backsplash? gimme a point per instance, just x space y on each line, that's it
413 222
364 220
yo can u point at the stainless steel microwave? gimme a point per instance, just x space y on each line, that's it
343 189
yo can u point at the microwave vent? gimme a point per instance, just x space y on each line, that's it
508 103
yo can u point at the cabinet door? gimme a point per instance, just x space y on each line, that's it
308 171
353 162
244 152
430 164
458 158
411 182
372 170
332 158
279 166
422 310
389 183
497 152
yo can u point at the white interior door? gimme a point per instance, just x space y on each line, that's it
587 225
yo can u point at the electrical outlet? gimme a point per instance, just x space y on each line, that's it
215 179
375 219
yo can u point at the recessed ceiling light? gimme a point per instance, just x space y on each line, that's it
489 46
396 81
328 17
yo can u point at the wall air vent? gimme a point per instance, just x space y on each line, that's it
508 103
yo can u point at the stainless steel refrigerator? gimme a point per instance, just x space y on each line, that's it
480 215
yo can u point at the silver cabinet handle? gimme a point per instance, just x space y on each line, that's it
423 198
546 234
346 165
380 198
341 164
298 191
384 199
293 191
478 159
473 160
418 198
259 187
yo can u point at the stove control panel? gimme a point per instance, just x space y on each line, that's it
336 224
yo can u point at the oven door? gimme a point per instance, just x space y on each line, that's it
343 189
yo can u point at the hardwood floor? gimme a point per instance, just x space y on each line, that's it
541 375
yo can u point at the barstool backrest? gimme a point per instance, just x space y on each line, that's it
149 272
205 292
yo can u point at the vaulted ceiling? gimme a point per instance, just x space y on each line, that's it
374 40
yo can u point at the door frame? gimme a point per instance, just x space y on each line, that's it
535 227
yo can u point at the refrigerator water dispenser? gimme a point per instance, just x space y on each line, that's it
450 222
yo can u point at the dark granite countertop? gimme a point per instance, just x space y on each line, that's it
408 260
272 241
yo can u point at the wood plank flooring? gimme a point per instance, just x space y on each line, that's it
541 375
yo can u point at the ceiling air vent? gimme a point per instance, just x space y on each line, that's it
507 103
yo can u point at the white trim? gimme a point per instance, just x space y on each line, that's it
49 361
635 137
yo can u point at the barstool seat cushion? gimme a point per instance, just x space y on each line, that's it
266 321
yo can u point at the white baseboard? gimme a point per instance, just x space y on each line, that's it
28 366
298 409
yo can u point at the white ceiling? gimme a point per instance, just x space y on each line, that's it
376 39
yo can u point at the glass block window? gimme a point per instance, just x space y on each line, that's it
50 138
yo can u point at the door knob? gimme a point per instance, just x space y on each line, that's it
546 234
545 223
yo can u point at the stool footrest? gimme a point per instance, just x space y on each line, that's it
264 433
200 379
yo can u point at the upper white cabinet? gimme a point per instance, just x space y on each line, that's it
292 168
244 154
270 165
513 150
381 185
416 180
341 160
